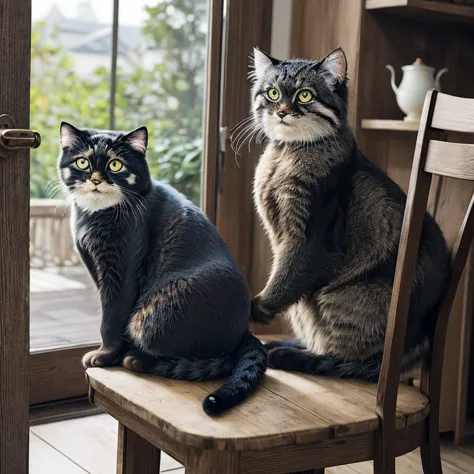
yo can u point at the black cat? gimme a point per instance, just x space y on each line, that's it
174 302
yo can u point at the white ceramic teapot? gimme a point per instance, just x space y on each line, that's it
418 79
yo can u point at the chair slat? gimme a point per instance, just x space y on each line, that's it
453 114
455 160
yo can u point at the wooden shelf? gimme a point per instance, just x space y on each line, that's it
425 10
394 125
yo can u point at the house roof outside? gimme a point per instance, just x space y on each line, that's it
85 33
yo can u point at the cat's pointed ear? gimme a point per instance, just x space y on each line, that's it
70 135
137 139
335 64
262 61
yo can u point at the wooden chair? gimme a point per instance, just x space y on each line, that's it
297 422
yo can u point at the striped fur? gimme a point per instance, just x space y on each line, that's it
334 222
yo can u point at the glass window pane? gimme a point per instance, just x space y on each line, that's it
70 80
160 84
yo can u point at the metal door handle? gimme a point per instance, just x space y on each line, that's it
12 138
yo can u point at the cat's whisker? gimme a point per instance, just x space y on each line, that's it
243 125
239 125
244 137
234 138
242 133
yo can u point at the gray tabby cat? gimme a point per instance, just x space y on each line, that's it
334 223
174 302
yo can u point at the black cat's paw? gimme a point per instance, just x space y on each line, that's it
136 362
102 357
258 313
281 358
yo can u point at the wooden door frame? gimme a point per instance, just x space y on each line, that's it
15 44
248 23
226 82
50 367
47 365
212 101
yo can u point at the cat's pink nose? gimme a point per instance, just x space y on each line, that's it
96 178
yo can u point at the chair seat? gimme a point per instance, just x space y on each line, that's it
288 408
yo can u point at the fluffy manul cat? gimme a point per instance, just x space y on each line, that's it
174 302
334 223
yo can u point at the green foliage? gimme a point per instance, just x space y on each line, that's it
166 97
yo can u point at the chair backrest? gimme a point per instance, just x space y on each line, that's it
433 156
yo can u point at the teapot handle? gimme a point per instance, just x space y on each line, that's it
392 82
438 77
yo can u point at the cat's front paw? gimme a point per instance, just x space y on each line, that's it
102 357
259 313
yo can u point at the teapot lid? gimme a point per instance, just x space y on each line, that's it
418 64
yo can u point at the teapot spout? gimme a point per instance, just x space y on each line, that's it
392 82
438 77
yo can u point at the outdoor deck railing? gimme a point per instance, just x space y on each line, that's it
51 242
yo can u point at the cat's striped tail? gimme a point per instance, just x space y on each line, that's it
285 357
244 368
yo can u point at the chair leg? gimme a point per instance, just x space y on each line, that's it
384 460
430 448
136 455
206 461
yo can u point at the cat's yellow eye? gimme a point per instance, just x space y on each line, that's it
273 94
115 165
305 96
82 163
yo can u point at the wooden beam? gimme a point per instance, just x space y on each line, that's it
15 44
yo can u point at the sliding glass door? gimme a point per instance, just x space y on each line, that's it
109 64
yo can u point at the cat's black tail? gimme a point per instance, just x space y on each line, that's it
245 369
295 359
250 365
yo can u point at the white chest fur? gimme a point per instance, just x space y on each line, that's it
306 328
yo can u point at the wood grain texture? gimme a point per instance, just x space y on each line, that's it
465 351
202 461
248 24
431 377
136 455
287 409
454 160
212 110
57 374
312 39
393 125
454 113
135 423
50 454
393 151
63 410
327 453
89 442
15 38
449 204
425 10
417 200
